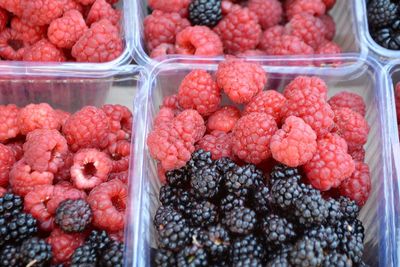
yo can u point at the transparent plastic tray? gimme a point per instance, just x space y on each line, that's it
347 35
368 81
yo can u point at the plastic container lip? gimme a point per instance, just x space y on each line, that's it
387 240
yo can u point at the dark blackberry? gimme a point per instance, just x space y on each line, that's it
351 236
164 258
311 209
335 259
192 256
389 36
216 240
225 164
164 215
231 201
184 201
350 227
113 256
306 252
326 235
196 236
349 208
285 192
247 247
10 205
205 12
334 211
241 220
280 260
99 240
277 230
174 236
243 180
35 252
84 256
248 262
262 200
20 227
178 178
199 160
73 215
168 195
203 213
282 172
382 12
205 182
10 256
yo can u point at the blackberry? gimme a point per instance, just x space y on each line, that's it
184 201
84 256
174 236
164 215
225 164
335 259
351 236
205 182
326 235
241 220
20 227
199 160
335 213
277 230
280 260
247 247
248 262
164 258
216 240
311 209
205 12
192 256
99 240
348 207
35 252
10 256
243 180
389 36
178 178
350 227
231 201
168 195
10 205
382 12
283 172
73 215
203 213
261 200
285 192
307 252
113 256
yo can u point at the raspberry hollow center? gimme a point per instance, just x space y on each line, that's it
15 44
89 170
118 203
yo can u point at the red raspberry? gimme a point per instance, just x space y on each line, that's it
270 36
348 100
357 153
328 48
190 125
44 51
329 167
223 119
351 126
199 91
12 47
358 186
251 53
63 244
241 90
269 102
164 117
163 50
288 45
45 150
330 26
269 12
26 32
335 139
7 160
16 148
312 7
119 152
101 43
72 4
122 176
295 144
103 10
64 173
235 40
171 102
23 179
120 120
64 32
3 19
63 116
37 116
42 12
13 6
227 6
329 3
108 202
198 40
252 135
161 174
170 6
218 143
87 128
307 83
9 127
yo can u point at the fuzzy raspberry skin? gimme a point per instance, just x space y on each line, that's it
170 6
163 50
199 41
45 150
37 116
12 47
348 100
108 202
16 148
87 128
329 4
64 32
72 4
103 10
26 32
160 27
252 135
270 36
63 245
333 138
44 51
251 53
269 12
190 125
164 117
294 144
269 102
252 79
171 102
330 26
7 160
357 153
358 186
9 127
42 12
101 43
329 167
120 120
218 143
13 6
307 83
224 119
351 126
3 19
239 31
312 7
287 45
199 91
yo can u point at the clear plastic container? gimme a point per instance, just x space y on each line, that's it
347 35
368 81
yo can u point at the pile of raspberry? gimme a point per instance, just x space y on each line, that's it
242 28
60 30
70 174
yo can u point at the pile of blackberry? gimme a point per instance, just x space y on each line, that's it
217 213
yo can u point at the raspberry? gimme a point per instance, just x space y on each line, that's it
122 176
312 7
348 100
270 36
329 3
3 19
287 45
72 4
190 125
120 120
45 150
41 12
269 12
198 40
328 48
224 119
87 128
329 167
308 83
218 143
37 116
227 6
120 152
338 141
351 126
12 47
101 43
91 167
13 6
251 53
64 32
103 10
43 51
252 79
358 186
63 116
252 135
235 40
330 26
163 50
27 32
164 117
64 172
9 127
16 148
160 27
63 245
7 160
295 144
199 91
108 202
308 28
357 153
170 6
269 102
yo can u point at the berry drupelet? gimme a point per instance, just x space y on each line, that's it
307 252
192 256
99 240
311 209
199 160
10 205
164 258
174 235
216 240
205 182
35 252
277 230
73 215
241 220
19 228
382 12
203 213
10 256
205 12
113 256
243 180
231 201
178 178
84 256
247 247
282 172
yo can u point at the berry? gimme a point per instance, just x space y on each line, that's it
270 36
164 258
63 245
85 2
12 47
178 177
192 256
351 236
269 102
41 12
37 116
73 4
239 41
269 12
205 182
162 50
335 213
84 256
279 260
29 33
287 45
225 164
205 12
113 256
241 220
246 247
164 215
168 195
174 235
13 6
120 120
261 200
330 26
108 203
348 207
388 36
103 10
282 172
348 100
9 122
101 43
20 227
244 180
200 159
311 209
10 205
251 53
218 143
252 135
277 230
307 252
203 213
312 7
286 192
382 13
43 51
99 240
10 256
7 160
248 262
224 119
216 240
312 84
199 41
73 215
294 144
326 235
35 251
200 92
180 6
329 48
336 259
231 201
